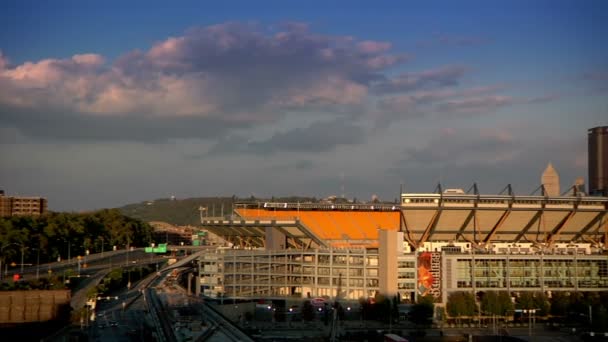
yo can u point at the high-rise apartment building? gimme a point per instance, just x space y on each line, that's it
598 160
19 205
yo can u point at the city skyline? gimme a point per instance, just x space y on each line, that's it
107 104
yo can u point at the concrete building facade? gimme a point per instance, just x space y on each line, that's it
431 244
20 205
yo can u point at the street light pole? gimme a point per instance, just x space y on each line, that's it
22 250
38 265
530 323
530 312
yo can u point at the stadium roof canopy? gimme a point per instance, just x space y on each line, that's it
503 218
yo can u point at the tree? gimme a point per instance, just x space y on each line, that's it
600 318
461 304
381 308
559 304
46 237
422 312
308 311
534 300
496 303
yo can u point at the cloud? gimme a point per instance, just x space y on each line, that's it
543 99
457 148
596 75
440 103
373 47
479 104
454 40
596 80
492 156
428 79
320 136
3 61
219 77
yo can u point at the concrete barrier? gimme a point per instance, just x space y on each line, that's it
34 306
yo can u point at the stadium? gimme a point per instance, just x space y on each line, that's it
428 244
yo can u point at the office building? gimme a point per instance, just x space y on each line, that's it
598 160
21 205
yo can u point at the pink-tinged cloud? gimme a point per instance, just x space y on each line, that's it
3 61
478 104
230 72
328 91
89 59
373 47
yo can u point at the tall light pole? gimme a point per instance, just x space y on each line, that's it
22 250
530 312
38 264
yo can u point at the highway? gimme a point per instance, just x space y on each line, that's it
94 262
144 312
221 328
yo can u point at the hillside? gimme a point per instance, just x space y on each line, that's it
186 211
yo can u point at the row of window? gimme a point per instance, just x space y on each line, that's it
534 283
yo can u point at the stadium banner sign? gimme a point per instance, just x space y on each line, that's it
429 274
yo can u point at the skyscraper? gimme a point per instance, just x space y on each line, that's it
598 160
550 180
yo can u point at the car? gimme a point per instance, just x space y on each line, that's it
102 326
113 323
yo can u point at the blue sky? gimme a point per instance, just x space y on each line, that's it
106 103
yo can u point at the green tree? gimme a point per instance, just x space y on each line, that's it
51 235
461 304
496 303
534 300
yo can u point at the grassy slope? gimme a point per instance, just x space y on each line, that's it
185 211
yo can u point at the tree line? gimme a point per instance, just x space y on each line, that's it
57 236
575 307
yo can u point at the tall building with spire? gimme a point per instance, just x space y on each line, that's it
550 181
598 160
